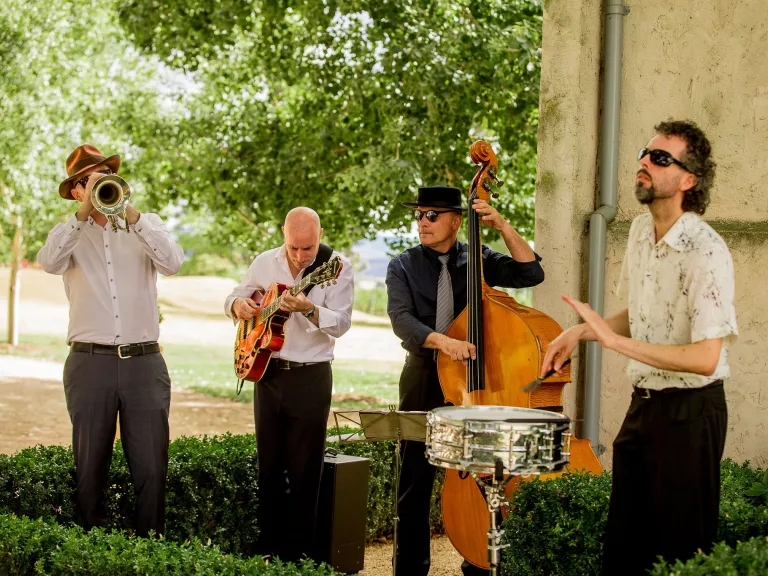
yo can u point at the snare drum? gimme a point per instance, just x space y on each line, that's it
473 438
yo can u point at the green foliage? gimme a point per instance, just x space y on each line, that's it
345 106
371 301
206 264
746 559
743 514
212 489
29 547
760 488
69 76
557 526
554 527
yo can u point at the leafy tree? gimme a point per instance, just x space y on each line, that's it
69 76
343 105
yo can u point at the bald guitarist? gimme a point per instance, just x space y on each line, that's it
293 398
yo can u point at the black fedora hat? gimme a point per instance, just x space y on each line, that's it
438 197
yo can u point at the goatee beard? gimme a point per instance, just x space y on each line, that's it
645 195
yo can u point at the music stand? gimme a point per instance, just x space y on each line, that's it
388 424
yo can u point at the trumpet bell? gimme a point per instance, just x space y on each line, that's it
110 194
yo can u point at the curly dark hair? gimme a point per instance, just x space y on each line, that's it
696 158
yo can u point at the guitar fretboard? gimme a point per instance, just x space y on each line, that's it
275 306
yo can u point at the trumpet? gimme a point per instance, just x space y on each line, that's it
110 195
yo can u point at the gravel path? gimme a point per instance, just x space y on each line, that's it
445 560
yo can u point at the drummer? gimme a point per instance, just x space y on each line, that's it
427 289
677 287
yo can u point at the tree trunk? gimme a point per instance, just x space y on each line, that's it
14 283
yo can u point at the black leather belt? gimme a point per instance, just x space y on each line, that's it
120 350
290 364
418 361
652 392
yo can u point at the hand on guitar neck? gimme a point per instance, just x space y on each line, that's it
246 308
299 303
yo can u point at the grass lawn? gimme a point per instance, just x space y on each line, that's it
209 370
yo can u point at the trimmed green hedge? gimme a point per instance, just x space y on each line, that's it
29 547
212 490
557 527
746 559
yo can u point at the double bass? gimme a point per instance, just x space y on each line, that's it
510 341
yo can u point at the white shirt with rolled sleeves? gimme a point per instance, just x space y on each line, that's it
304 342
679 290
110 278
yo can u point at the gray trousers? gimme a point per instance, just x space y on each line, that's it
98 387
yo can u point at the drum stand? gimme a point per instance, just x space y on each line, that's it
493 492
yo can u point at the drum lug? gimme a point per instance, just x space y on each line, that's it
566 451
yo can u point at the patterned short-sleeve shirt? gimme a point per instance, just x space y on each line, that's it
679 290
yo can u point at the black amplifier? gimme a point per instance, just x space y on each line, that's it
342 512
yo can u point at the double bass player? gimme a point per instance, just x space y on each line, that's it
427 288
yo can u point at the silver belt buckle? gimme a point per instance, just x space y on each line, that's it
120 351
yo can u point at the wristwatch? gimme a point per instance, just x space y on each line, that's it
308 315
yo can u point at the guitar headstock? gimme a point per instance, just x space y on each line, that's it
326 274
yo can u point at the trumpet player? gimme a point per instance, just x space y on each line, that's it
114 365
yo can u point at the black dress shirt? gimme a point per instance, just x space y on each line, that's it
412 286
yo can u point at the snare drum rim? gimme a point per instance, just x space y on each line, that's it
541 417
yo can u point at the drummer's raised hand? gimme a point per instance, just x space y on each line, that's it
601 330
559 350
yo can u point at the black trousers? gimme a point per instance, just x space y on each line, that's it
293 407
419 390
98 387
666 479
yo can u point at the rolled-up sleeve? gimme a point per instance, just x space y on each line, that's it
401 309
335 315
505 271
711 297
166 254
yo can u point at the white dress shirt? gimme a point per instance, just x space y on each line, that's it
678 290
304 342
111 277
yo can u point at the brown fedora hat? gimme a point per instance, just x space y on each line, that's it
84 160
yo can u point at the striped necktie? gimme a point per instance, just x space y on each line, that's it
444 315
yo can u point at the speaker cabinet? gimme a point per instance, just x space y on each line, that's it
342 512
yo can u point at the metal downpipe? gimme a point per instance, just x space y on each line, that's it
600 218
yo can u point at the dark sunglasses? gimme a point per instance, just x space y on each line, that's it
432 215
661 158
84 180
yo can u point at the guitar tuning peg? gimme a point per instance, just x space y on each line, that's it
495 195
334 282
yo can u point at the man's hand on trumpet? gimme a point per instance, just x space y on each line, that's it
131 214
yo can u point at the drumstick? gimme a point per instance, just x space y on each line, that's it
535 384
